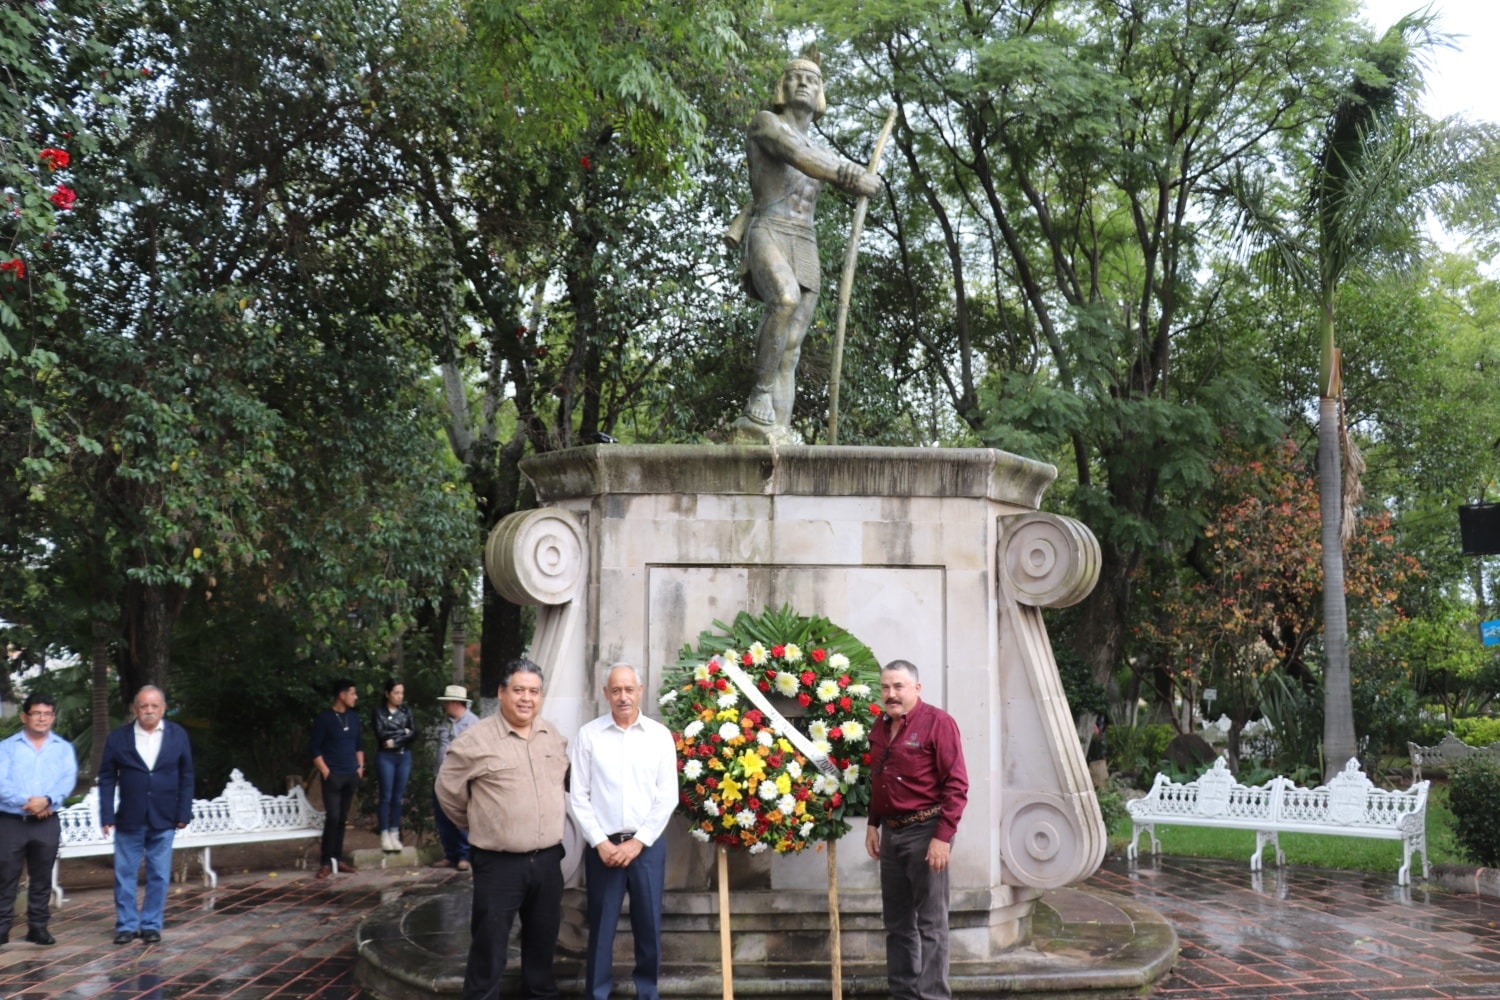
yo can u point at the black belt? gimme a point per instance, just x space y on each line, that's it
620 838
907 818
27 817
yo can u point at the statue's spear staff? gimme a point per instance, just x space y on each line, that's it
846 286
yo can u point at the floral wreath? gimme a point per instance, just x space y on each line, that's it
745 778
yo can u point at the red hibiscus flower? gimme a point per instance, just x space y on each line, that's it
819 655
54 158
63 197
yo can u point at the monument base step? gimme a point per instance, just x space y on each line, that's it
1083 944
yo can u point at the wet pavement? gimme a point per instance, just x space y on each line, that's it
1296 932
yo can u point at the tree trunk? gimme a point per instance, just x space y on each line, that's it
151 614
99 668
1339 740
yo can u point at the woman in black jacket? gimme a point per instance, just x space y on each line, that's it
395 728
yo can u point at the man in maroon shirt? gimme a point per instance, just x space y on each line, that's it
920 787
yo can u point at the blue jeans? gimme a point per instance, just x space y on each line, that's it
642 881
455 842
130 846
393 767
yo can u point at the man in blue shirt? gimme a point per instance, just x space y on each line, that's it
151 762
38 770
340 758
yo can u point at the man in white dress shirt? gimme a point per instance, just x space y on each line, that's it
624 788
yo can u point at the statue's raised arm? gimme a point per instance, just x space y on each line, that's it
780 265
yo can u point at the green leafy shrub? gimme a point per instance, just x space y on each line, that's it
1474 797
1479 732
1138 750
1112 806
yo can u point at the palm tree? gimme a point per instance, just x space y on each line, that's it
1381 166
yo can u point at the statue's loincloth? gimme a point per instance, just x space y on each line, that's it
793 240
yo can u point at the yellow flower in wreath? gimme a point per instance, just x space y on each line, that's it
752 764
729 790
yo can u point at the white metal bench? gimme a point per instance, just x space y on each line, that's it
242 814
1350 805
1449 751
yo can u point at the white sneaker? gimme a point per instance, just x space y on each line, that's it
395 840
385 841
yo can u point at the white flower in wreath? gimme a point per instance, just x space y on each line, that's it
824 785
854 732
828 690
767 791
758 848
711 807
692 770
786 684
818 729
745 818
792 653
758 654
851 774
693 729
729 699
701 672
700 836
823 747
729 654
859 690
765 737
786 804
838 661
794 769
667 698
806 831
729 731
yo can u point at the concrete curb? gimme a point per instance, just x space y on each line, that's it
1467 878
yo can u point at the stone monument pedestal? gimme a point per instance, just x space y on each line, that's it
936 556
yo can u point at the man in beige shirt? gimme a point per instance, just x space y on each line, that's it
504 782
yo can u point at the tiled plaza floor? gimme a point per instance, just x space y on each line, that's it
1313 934
1297 933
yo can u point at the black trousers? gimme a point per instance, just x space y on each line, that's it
32 843
506 884
338 797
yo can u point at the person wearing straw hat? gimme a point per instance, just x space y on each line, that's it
456 718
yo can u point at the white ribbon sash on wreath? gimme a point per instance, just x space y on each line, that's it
779 723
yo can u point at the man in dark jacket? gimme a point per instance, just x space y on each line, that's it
151 763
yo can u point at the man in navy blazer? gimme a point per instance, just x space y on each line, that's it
151 763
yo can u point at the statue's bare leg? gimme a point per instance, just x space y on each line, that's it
776 284
784 390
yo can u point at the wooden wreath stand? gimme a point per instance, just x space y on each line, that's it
726 952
